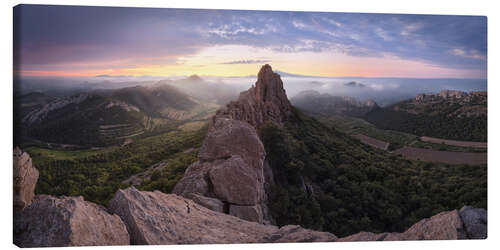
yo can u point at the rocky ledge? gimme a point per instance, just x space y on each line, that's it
466 223
155 218
67 221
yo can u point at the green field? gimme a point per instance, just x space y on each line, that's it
351 125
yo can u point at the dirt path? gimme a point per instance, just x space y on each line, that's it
372 141
455 143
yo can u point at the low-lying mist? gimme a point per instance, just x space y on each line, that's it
384 91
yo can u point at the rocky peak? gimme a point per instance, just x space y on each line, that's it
269 87
266 101
229 174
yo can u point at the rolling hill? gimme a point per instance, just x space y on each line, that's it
452 115
106 117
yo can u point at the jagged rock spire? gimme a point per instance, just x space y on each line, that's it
269 88
230 166
266 101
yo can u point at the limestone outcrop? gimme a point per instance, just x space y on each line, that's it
154 218
266 101
67 221
230 164
25 178
466 223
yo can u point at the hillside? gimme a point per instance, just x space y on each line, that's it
107 117
452 115
326 104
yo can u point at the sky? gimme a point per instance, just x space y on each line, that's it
73 41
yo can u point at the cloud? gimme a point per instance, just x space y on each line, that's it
113 76
83 37
247 62
474 54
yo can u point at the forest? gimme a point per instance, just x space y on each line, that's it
441 126
98 174
325 180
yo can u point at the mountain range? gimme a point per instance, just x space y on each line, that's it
103 117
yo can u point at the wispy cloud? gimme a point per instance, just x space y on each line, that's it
473 54
141 36
247 62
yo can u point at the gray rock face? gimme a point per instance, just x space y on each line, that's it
234 183
249 213
475 222
294 233
158 218
67 221
210 203
25 178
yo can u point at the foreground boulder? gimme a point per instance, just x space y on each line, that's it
475 222
67 221
25 178
468 223
154 218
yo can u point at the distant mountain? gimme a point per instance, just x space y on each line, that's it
449 114
326 104
354 84
153 100
106 117
28 102
197 87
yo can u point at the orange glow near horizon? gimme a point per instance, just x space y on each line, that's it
219 61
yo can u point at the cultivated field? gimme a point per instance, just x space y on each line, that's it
448 157
455 143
